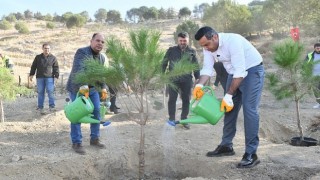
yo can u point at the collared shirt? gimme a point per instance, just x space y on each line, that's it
235 52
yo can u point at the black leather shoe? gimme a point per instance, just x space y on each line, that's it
248 161
221 151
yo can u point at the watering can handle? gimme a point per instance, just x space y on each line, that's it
204 88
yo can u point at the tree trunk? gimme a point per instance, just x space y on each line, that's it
142 138
2 112
141 153
298 119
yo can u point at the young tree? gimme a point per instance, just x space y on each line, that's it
139 65
6 83
294 79
22 27
5 25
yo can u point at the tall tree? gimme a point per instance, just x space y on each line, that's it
75 21
228 16
28 14
101 15
184 12
113 17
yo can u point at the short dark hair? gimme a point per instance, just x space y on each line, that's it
45 44
183 34
316 45
206 31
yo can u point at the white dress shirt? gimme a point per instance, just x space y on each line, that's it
235 52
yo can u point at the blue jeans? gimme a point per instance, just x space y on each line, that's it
248 95
45 84
76 136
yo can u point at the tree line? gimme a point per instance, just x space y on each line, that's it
276 16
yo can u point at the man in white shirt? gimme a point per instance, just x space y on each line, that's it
244 87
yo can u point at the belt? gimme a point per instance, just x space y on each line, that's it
260 64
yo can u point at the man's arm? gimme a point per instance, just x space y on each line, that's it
55 68
165 61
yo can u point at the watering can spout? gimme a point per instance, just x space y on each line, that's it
88 119
194 120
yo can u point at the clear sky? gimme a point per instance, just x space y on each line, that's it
91 6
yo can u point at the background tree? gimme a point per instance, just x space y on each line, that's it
184 12
48 17
171 13
38 16
113 17
133 15
5 25
151 13
65 17
50 25
101 15
11 18
28 14
202 8
57 18
257 21
228 16
191 28
162 13
21 27
19 16
140 67
76 21
85 14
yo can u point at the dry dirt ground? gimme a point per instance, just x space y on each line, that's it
38 147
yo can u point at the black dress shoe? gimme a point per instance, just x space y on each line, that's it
221 151
115 111
248 161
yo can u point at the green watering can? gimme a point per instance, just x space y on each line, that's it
205 110
80 110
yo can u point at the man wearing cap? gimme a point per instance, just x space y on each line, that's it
183 83
244 87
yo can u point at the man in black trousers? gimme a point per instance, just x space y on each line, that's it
184 82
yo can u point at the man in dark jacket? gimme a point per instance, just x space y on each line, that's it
92 52
183 83
46 67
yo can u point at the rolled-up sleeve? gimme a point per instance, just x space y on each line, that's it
208 61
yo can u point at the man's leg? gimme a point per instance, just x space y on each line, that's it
75 132
185 89
252 89
230 118
229 128
40 90
50 91
173 95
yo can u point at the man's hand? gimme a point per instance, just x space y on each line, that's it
214 87
197 91
227 103
30 78
104 94
84 90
